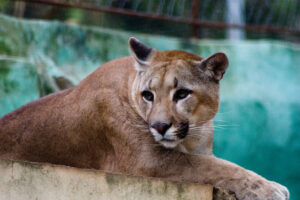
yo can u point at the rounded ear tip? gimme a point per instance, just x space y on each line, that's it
222 56
132 39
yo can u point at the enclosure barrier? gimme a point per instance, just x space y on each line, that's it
193 20
28 181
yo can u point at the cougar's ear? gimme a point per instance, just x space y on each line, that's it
141 53
215 65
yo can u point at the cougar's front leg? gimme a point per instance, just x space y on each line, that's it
148 159
206 169
246 184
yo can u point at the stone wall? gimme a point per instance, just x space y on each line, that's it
36 181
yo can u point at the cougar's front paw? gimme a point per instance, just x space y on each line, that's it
281 192
263 190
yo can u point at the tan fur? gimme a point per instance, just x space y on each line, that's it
104 123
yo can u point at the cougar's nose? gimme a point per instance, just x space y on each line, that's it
161 127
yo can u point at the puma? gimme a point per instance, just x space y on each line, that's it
149 114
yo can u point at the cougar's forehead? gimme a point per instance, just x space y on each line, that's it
173 55
171 74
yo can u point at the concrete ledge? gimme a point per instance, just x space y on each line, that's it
35 181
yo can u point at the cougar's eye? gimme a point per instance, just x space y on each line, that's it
147 95
181 94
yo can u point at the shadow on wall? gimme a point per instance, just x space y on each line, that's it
258 123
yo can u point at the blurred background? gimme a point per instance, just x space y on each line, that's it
50 45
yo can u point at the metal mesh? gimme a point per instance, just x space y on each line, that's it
272 15
259 12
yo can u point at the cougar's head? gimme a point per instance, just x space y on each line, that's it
174 90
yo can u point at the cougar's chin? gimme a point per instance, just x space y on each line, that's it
170 144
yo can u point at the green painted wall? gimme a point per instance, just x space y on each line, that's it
258 125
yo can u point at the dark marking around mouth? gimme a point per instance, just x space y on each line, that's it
183 130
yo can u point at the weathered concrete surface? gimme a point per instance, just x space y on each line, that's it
35 181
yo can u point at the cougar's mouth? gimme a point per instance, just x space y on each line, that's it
167 140
172 137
